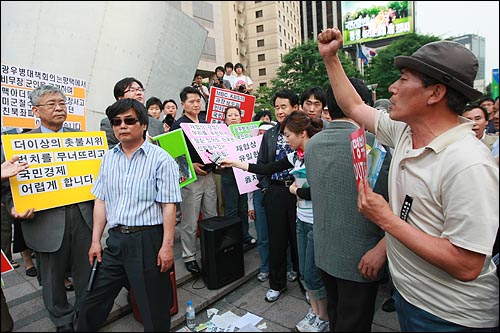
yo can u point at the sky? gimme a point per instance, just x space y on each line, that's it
457 18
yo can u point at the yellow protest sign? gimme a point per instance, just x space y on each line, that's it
62 167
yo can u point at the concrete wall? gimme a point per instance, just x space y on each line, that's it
103 42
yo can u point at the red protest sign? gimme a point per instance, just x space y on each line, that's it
6 265
220 99
358 149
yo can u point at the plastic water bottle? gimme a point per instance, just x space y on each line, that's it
190 315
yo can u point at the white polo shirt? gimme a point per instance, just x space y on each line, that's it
453 182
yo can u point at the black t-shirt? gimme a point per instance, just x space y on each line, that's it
195 158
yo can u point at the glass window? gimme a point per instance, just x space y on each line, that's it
262 71
261 57
260 42
258 13
203 10
260 28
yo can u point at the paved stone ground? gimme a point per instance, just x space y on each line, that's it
24 299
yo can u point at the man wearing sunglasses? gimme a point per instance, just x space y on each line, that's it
130 87
61 235
136 192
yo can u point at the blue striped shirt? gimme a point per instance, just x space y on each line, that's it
134 189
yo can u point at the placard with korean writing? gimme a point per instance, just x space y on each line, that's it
62 167
358 150
220 99
19 81
174 143
245 150
209 139
244 130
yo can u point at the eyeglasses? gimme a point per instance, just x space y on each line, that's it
134 90
127 121
52 106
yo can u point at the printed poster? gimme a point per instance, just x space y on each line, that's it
220 99
174 143
209 140
244 130
358 149
18 82
245 150
62 167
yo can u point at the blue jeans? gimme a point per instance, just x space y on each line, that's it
413 319
310 275
235 204
261 229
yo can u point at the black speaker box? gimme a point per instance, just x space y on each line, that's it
221 250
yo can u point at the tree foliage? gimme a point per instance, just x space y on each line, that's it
382 71
301 68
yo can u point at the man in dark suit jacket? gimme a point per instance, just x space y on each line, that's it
61 236
130 87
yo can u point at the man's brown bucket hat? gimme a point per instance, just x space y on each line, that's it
448 62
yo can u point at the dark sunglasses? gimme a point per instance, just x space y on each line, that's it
127 121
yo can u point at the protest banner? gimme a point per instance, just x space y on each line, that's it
244 130
174 143
209 140
62 167
367 160
18 82
245 150
220 99
358 150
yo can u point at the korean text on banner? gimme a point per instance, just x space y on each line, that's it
245 150
358 149
209 139
62 167
19 81
220 99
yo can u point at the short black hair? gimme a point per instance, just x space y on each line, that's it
261 114
125 104
154 101
123 84
287 94
472 106
361 89
188 90
317 92
229 64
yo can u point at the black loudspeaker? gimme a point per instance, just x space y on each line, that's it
221 250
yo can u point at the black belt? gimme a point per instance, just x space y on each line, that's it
283 182
125 229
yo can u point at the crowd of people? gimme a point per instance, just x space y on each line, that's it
430 223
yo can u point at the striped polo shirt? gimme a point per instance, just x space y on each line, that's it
134 189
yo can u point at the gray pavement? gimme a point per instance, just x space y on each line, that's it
24 299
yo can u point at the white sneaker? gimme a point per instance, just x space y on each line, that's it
319 325
273 295
262 277
305 323
291 276
308 300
